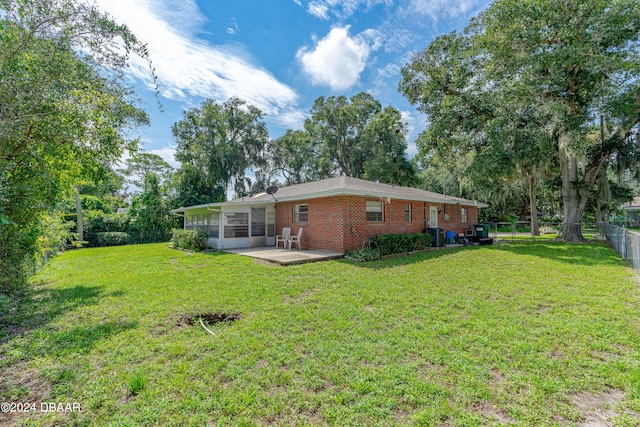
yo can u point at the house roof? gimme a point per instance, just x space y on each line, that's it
633 205
339 186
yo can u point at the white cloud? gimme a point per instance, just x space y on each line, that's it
436 9
319 10
416 123
341 8
188 66
233 27
168 154
389 70
338 59
291 119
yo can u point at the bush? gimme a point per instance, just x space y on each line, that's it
388 244
112 238
18 246
97 222
194 240
364 254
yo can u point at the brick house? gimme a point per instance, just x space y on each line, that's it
336 214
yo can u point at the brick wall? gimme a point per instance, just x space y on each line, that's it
339 223
325 226
454 223
358 229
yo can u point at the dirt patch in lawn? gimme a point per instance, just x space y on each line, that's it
298 299
209 318
597 409
492 412
27 385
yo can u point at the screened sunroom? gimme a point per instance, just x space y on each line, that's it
231 225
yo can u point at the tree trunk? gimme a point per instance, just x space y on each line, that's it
79 217
599 214
574 196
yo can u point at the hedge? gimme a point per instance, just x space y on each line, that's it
112 238
97 223
388 244
194 240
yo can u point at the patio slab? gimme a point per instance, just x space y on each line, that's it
285 257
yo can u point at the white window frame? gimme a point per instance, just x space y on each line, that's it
374 207
214 225
433 216
464 218
301 215
236 225
407 212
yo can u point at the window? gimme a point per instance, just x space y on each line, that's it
236 225
375 212
463 215
407 212
301 213
214 225
271 224
206 223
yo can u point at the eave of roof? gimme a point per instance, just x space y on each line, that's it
340 186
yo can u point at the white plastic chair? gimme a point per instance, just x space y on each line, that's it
284 237
295 239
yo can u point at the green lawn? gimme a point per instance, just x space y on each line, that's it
531 333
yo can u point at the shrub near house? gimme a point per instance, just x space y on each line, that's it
194 240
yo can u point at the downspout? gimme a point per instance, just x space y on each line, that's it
424 215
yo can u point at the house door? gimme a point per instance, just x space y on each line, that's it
258 229
433 216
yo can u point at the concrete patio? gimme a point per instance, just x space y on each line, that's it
285 257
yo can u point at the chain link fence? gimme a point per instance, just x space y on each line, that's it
520 229
623 240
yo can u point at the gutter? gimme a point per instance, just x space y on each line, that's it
330 193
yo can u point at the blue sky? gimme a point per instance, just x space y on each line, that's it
279 55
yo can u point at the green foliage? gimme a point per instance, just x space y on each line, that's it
455 337
388 244
523 86
101 180
24 249
55 235
18 246
152 220
93 203
363 254
97 222
217 143
136 384
63 112
112 238
142 164
195 240
357 137
294 155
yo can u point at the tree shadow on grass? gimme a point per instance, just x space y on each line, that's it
588 253
408 259
77 340
39 305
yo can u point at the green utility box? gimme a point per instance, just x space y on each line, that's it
482 230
